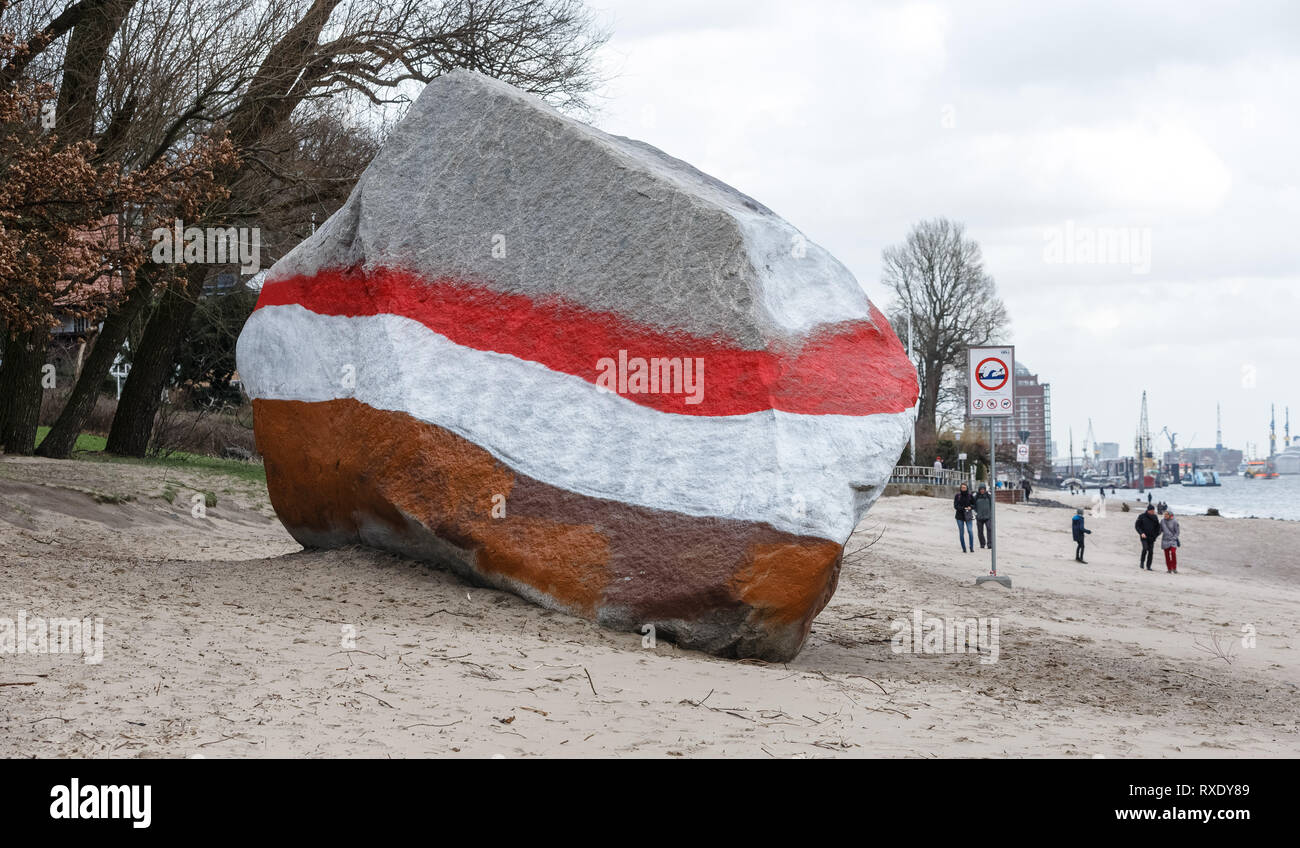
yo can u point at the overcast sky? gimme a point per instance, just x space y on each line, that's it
1035 124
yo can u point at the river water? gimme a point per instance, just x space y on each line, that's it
1238 497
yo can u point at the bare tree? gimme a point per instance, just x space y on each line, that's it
62 207
938 280
303 87
370 50
174 68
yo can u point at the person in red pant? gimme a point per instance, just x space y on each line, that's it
1169 541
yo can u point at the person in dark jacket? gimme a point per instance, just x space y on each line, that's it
984 514
1024 484
1078 531
1148 530
964 507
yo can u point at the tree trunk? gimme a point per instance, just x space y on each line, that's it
20 390
93 30
927 436
82 66
62 438
153 365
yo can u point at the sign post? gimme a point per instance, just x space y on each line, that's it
120 370
991 393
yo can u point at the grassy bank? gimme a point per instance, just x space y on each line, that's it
91 447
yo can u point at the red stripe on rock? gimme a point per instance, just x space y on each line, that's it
847 368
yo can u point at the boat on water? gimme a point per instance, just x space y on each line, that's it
1202 477
1288 461
1259 469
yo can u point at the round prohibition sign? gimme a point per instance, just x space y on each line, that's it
991 386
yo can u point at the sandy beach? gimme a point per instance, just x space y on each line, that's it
222 638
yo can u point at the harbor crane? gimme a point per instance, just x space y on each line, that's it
1142 447
1272 431
1091 456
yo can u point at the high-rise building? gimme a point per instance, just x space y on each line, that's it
1109 450
1033 416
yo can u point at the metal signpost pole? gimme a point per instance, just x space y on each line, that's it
991 394
993 507
912 442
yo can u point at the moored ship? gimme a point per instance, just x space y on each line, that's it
1202 477
1259 469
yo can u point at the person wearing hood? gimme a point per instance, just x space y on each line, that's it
984 515
1148 528
1078 531
1169 542
964 505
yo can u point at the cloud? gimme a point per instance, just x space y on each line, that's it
855 120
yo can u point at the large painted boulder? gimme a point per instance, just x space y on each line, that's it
563 363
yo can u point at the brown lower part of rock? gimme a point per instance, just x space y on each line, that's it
340 472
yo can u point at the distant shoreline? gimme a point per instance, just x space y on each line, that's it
1064 500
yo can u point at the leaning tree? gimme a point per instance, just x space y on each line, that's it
368 49
301 90
66 249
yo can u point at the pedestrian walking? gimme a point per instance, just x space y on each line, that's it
1170 542
1078 531
1148 528
963 505
984 515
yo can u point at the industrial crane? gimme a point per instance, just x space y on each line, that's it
1091 458
1272 431
1142 444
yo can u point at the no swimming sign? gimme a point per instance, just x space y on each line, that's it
991 389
